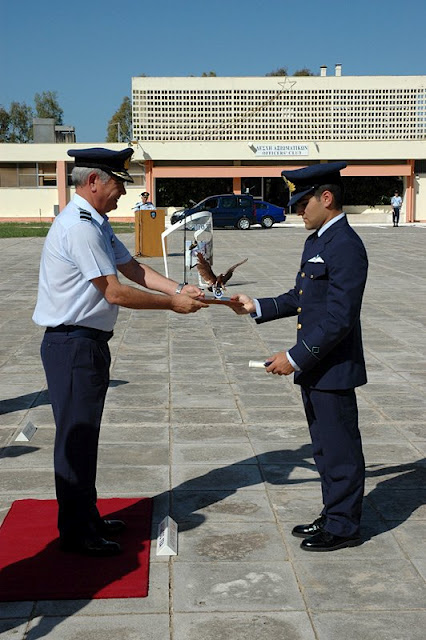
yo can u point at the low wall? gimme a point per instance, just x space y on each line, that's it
37 204
27 205
380 214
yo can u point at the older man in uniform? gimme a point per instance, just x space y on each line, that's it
78 299
328 357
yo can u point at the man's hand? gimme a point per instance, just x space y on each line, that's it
182 303
192 291
248 304
279 364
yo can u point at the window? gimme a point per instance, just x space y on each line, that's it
27 174
211 203
229 203
244 202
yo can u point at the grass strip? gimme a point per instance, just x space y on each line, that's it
40 229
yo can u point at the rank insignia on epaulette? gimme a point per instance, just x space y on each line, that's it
85 215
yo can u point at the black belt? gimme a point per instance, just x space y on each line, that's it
81 332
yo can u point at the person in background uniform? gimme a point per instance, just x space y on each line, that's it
145 203
79 296
327 358
396 203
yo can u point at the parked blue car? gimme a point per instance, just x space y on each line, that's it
233 210
267 213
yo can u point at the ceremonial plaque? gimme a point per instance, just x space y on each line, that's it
223 300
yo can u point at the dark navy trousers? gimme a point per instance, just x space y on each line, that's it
77 372
337 449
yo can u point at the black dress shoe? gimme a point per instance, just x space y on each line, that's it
98 547
109 527
305 530
325 541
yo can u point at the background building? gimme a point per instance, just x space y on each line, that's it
192 135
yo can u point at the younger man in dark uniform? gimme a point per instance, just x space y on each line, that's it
328 358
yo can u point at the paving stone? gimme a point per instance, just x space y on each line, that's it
189 433
384 452
240 453
6 435
291 625
231 542
136 454
352 584
13 629
206 477
158 433
241 586
135 417
107 627
138 480
12 457
400 504
198 415
413 431
369 625
221 506
282 453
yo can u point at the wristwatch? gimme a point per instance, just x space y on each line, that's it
180 287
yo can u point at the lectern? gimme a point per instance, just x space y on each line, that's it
149 225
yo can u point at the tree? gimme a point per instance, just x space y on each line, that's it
20 122
282 71
120 125
210 74
47 106
4 125
303 72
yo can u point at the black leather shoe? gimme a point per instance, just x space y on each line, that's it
305 530
109 527
98 547
325 541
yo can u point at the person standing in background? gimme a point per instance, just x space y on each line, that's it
396 202
144 204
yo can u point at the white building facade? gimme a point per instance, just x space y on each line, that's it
245 129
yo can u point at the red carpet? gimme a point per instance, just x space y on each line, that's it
32 567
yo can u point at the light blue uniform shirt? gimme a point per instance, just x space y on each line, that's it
76 250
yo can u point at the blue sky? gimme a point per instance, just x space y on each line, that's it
88 51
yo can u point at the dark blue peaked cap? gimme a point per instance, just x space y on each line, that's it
115 163
302 181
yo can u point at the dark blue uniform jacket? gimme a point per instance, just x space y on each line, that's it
327 300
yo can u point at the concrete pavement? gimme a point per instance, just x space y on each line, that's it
225 451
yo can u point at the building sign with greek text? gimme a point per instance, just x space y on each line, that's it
282 150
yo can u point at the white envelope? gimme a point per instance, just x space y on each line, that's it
316 259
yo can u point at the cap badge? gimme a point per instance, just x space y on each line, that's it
290 186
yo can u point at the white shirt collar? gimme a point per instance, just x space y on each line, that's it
329 223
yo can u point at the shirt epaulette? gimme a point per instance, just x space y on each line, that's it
85 215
